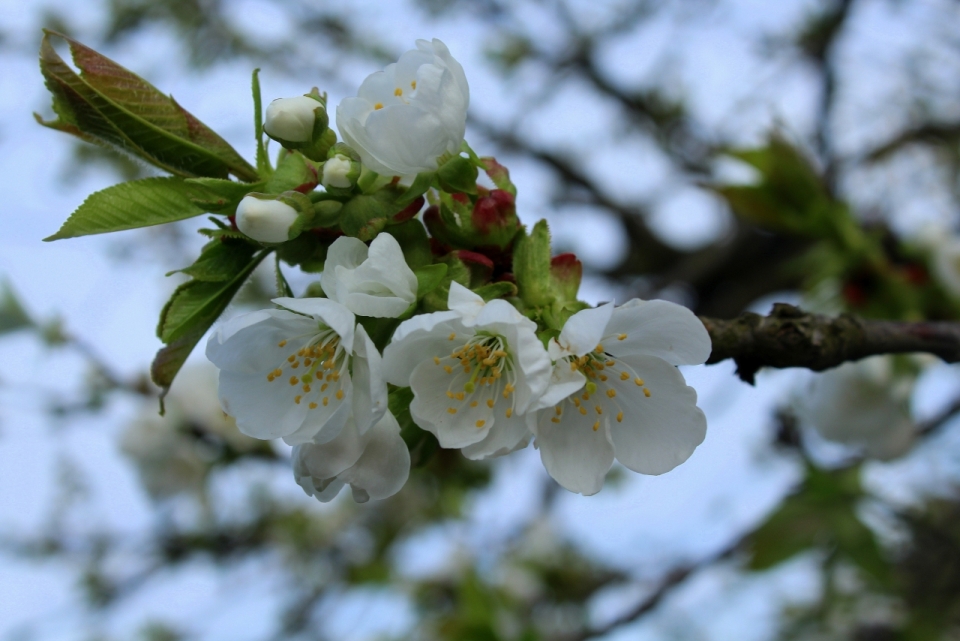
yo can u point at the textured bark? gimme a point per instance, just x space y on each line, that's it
789 337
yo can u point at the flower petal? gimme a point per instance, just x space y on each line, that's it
575 455
658 328
262 409
324 419
453 421
251 343
384 466
345 252
661 431
506 434
422 337
331 313
330 459
583 331
563 382
463 301
369 388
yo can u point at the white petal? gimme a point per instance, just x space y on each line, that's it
250 343
323 423
431 407
534 366
331 313
262 409
502 312
658 328
506 435
376 306
661 431
575 455
421 338
563 383
584 330
266 220
330 459
464 302
388 266
384 466
369 388
345 252
291 119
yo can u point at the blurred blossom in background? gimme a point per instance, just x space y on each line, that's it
614 118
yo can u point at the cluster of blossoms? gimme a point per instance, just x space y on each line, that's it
477 326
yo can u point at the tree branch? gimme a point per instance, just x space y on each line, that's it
789 337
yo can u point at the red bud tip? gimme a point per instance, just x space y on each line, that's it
468 256
495 209
410 210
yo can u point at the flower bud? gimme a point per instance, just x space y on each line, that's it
291 119
269 219
339 172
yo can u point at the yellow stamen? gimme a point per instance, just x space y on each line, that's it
474 403
603 377
448 369
413 84
459 396
481 423
339 394
323 388
621 337
611 363
554 420
599 409
619 417
282 343
596 426
638 381
510 412
294 380
436 360
306 388
646 392
611 392
326 401
296 399
277 373
624 376
583 410
291 358
449 394
451 336
312 406
490 403
378 106
451 410
598 349
559 411
398 91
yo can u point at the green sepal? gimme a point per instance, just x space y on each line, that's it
419 187
134 204
293 170
326 213
219 261
188 315
263 159
502 289
436 299
531 266
364 216
458 174
283 287
110 105
429 278
412 238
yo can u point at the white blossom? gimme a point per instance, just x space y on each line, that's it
265 219
410 113
474 371
291 119
374 281
338 172
615 393
863 404
298 374
375 464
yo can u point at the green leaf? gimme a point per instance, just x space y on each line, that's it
501 289
292 171
429 278
12 314
129 205
110 105
222 196
421 443
187 316
220 261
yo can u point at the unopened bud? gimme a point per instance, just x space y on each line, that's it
291 119
266 219
340 172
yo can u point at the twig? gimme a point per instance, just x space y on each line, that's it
789 337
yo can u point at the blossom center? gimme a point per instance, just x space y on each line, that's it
480 371
315 370
604 375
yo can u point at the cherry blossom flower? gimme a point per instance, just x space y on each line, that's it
265 219
291 119
375 464
406 116
474 372
299 374
615 393
862 404
374 281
